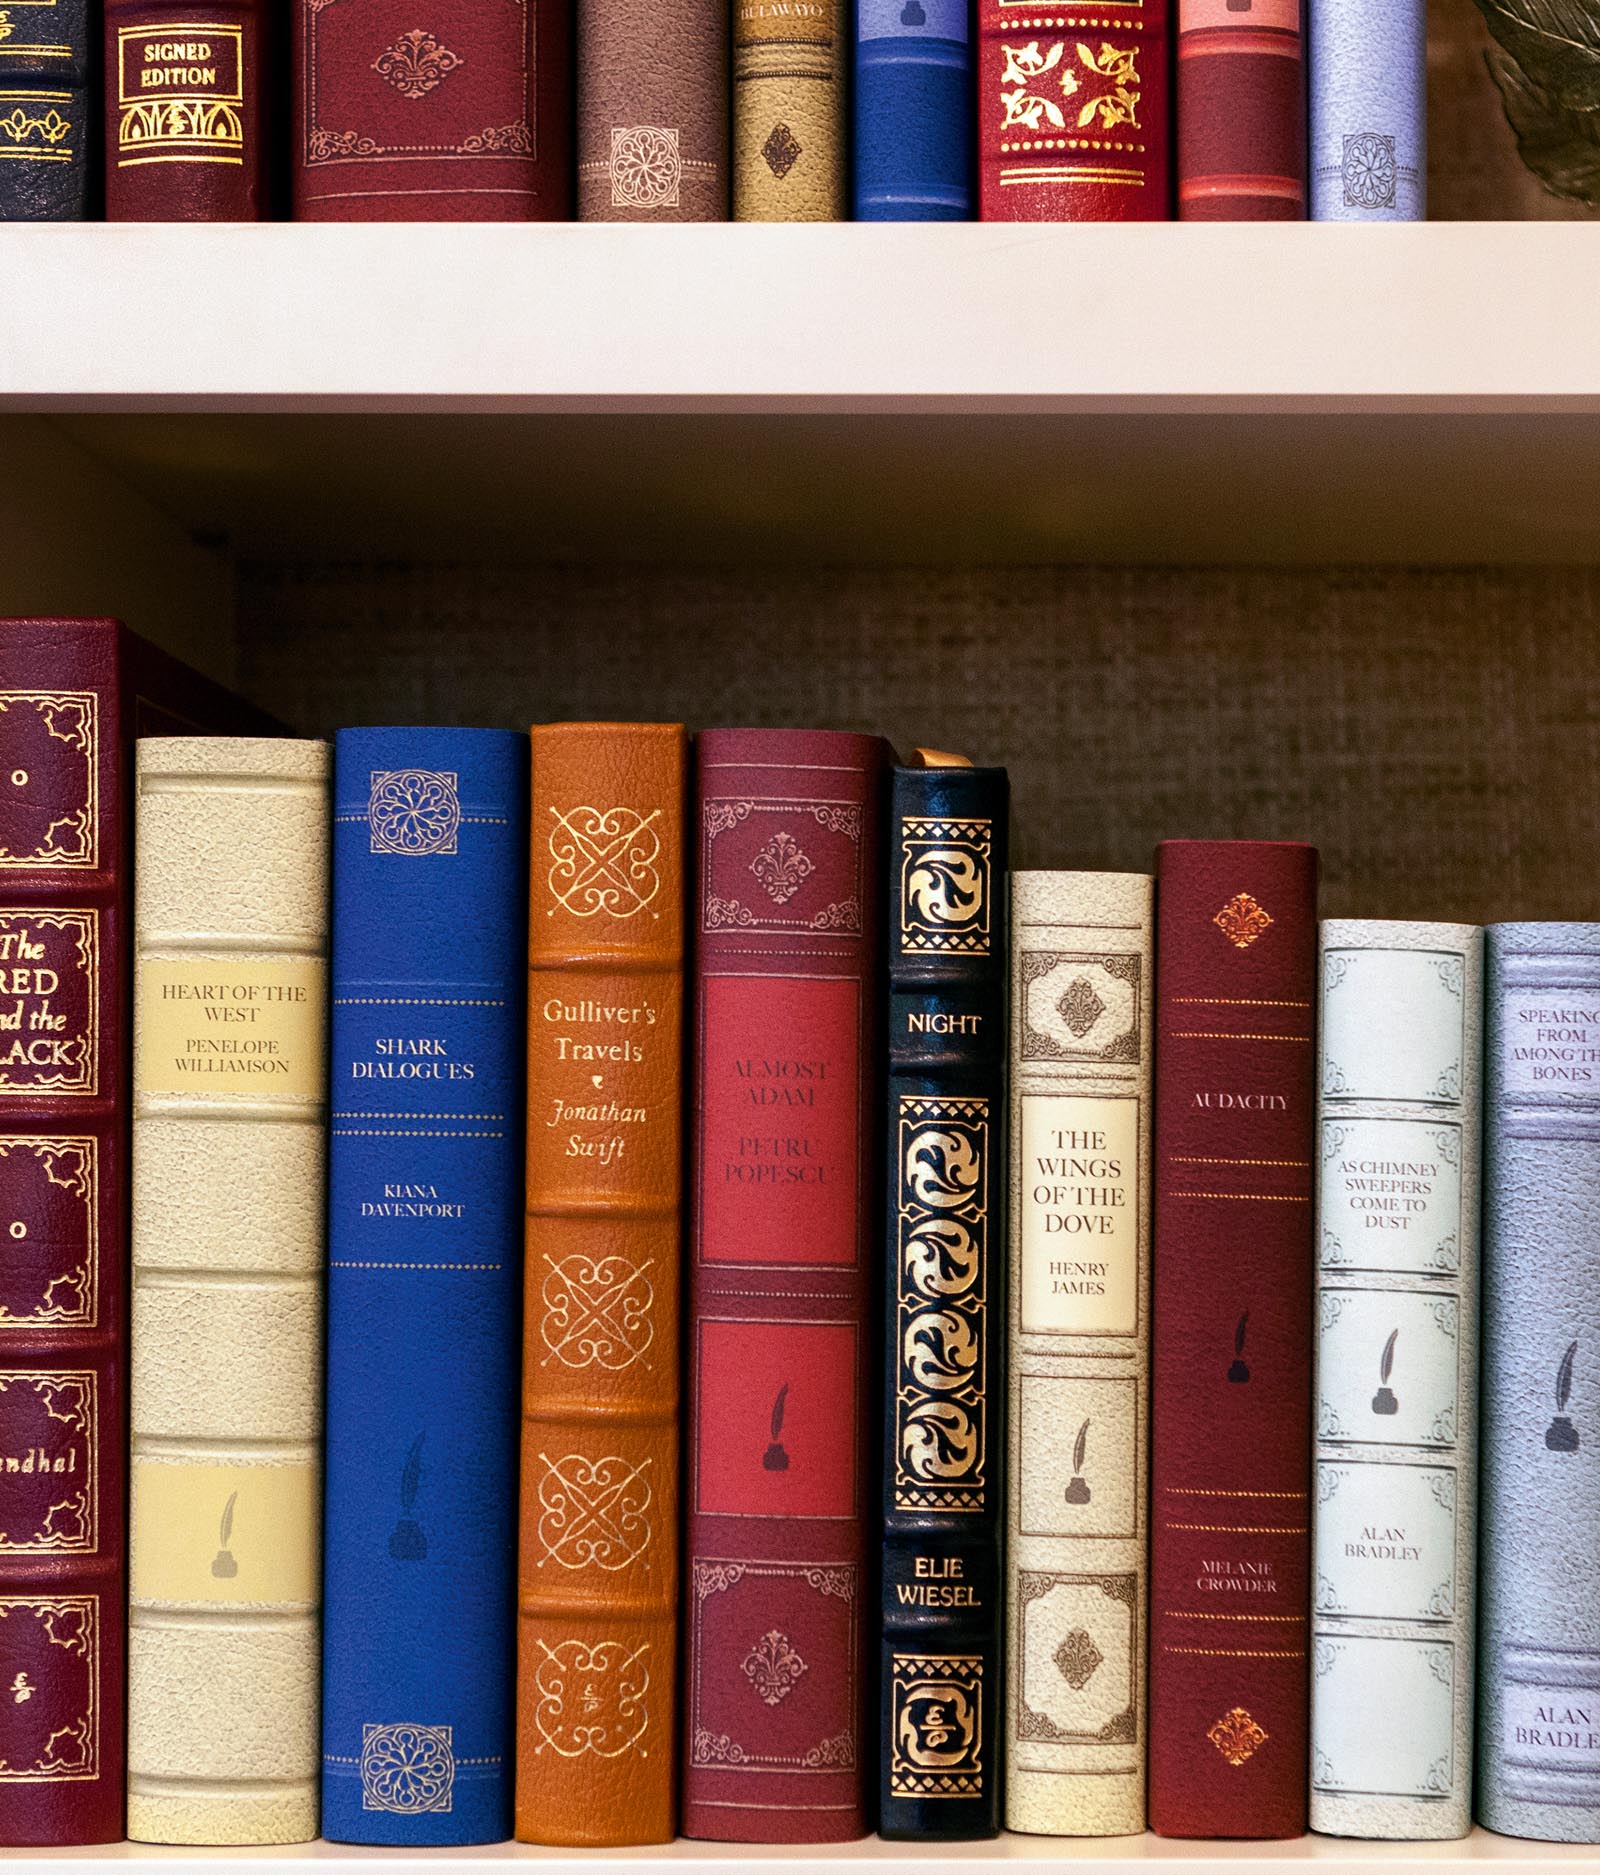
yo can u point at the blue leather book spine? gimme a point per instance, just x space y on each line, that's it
1539 1636
914 90
941 1683
47 118
425 1281
1368 116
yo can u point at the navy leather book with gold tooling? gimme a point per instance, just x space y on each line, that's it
944 1311
425 1283
45 109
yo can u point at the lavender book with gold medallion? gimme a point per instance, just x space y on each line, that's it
425 1282
944 1316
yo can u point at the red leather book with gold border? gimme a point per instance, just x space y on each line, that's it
1236 971
1072 111
461 114
783 1232
73 695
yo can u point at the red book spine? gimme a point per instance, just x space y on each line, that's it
1236 950
463 116
783 1229
185 124
1241 110
73 695
1072 112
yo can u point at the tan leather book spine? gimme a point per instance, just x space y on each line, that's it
789 99
230 985
1083 950
597 1641
652 110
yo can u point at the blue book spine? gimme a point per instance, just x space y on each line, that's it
1539 1632
914 88
46 109
426 1092
1369 110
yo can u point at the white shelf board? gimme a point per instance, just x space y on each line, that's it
1448 316
1328 1855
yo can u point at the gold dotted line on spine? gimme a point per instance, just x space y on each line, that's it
1242 1529
1239 1653
418 1116
1246 1197
1184 1614
420 1002
1202 1490
1232 1035
341 1264
1244 1002
408 1132
1073 143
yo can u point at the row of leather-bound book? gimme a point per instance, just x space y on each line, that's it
667 1290
755 110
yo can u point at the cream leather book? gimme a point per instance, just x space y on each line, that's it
229 1071
1081 1053
1395 1528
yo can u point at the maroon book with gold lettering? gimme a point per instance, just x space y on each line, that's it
186 116
459 113
784 1229
73 695
1236 969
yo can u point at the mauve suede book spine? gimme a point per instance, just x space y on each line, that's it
1539 1630
944 1208
784 1228
1241 117
425 1283
1236 974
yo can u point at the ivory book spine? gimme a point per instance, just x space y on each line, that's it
1082 1052
790 63
229 1116
597 1633
1394 1520
1539 1675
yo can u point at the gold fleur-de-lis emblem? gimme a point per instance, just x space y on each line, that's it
1237 1736
1241 921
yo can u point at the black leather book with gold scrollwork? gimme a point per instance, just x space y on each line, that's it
944 1305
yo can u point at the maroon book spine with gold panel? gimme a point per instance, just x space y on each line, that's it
73 695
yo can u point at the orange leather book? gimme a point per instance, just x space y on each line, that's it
597 1641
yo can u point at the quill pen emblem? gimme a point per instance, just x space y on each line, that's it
776 1458
1078 1489
1561 1435
1238 1371
406 1541
223 1563
1384 1401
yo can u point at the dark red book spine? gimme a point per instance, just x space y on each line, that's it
1241 110
73 695
465 115
185 122
1072 112
783 1228
1236 951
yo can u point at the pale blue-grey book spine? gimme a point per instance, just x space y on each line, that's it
1369 110
1539 1691
1395 1515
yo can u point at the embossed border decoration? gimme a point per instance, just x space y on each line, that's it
71 1753
597 1311
407 1769
71 1298
1126 966
946 886
1034 1727
415 812
603 860
952 1686
731 913
72 840
1450 968
1438 1654
593 1511
85 1081
941 1276
70 1396
605 1724
716 1750
347 144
